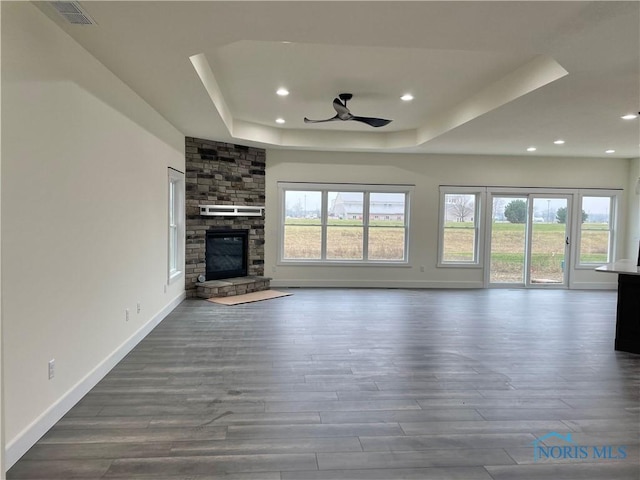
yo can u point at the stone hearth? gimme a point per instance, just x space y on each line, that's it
231 286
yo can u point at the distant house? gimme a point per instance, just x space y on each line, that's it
350 206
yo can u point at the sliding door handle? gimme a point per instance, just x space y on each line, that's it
566 241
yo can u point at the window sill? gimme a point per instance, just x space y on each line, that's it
458 265
174 277
590 266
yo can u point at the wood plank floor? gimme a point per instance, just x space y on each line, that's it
360 384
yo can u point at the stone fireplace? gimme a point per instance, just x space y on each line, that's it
219 173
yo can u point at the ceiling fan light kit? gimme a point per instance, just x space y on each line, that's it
343 113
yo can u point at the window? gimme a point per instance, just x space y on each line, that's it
329 223
460 231
345 236
302 225
596 230
387 234
176 225
527 235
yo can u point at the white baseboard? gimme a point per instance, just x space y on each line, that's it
315 283
371 284
30 435
594 285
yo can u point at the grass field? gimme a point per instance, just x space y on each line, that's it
344 239
386 240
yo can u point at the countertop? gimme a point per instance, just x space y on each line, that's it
626 267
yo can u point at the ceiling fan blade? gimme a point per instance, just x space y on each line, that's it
332 119
374 122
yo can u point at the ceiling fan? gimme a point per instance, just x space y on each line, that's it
343 113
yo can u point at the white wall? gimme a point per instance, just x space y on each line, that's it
633 231
84 221
2 467
427 173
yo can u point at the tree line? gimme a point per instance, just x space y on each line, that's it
516 212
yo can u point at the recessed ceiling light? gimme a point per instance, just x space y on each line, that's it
611 150
629 116
283 92
531 149
559 142
280 120
407 97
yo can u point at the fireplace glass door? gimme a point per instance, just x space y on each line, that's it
226 254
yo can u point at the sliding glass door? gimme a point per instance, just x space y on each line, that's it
549 241
529 240
508 244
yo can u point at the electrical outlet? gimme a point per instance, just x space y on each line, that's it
422 268
138 307
273 269
52 368
126 314
165 288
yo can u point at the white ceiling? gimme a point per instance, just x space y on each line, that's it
488 77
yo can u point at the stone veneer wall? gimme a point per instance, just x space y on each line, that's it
222 174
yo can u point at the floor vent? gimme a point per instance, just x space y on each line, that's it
73 13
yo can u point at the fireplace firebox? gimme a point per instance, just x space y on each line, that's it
226 253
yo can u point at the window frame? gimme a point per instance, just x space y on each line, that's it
614 202
175 229
324 189
479 226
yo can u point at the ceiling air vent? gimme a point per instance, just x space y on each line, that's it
73 13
